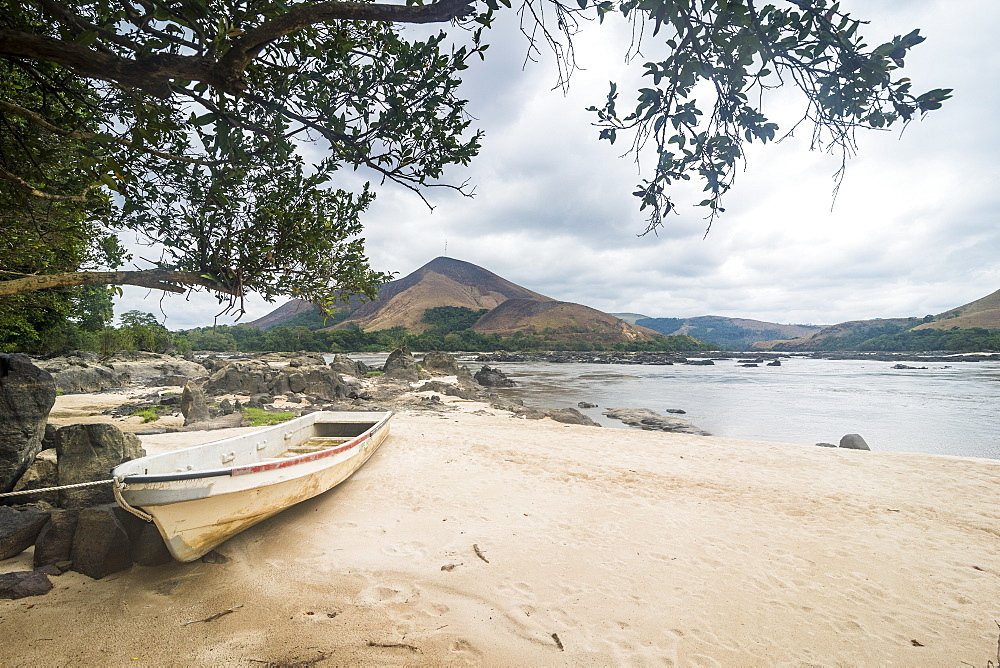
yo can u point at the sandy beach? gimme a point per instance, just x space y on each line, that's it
482 539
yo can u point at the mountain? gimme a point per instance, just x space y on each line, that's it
905 333
560 320
729 333
844 335
283 313
983 313
441 282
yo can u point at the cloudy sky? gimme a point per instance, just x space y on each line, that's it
914 229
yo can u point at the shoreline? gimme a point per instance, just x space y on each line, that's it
472 537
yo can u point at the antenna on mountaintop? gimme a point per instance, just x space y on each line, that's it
446 248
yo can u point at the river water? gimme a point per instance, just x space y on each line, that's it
947 408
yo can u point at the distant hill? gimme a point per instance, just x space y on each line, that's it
728 333
441 282
630 318
928 333
983 313
563 320
844 335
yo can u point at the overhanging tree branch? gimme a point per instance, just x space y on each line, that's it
157 279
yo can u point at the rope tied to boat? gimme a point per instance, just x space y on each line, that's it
43 490
118 486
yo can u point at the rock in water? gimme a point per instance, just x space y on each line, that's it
193 404
26 397
650 420
854 442
19 527
488 377
20 584
88 452
441 363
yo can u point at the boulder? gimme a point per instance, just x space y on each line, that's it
20 584
586 404
101 545
26 397
42 473
193 405
569 416
54 544
445 388
226 407
853 442
488 377
401 365
19 527
344 365
148 548
650 420
440 363
88 452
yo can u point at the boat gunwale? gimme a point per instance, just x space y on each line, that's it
261 467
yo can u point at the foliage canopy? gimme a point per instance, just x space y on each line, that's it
215 129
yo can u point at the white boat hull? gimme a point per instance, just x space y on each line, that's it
197 507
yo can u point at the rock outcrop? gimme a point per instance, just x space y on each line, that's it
650 420
27 393
254 377
488 377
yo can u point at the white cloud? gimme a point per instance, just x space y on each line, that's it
914 229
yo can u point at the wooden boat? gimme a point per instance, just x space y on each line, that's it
201 496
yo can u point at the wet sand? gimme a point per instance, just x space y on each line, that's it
470 538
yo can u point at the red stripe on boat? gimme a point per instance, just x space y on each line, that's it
301 459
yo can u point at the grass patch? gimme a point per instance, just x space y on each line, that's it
372 374
261 418
151 413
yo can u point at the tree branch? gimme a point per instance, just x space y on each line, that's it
157 279
153 73
24 186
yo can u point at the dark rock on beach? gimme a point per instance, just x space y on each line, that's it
54 544
100 545
87 453
42 473
27 394
21 584
19 527
586 404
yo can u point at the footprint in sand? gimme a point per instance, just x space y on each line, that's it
409 549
